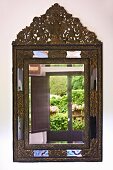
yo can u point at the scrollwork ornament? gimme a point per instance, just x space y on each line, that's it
93 103
57 153
57 24
93 151
20 106
23 54
22 153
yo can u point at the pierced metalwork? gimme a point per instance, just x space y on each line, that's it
56 26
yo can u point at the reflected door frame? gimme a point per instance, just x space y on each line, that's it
69 135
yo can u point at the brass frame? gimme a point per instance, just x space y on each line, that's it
59 31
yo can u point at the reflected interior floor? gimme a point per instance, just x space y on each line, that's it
41 138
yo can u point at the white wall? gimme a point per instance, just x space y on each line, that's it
97 15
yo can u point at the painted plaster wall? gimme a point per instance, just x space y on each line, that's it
97 15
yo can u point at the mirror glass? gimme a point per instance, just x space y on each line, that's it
56 103
19 79
93 79
68 54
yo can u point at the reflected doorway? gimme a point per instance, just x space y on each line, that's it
56 103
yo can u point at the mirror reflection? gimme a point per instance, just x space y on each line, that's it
68 54
94 79
56 103
19 79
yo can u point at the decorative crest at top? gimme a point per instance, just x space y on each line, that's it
56 26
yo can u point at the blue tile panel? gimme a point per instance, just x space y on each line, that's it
75 152
41 153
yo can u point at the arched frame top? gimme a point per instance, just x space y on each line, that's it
56 26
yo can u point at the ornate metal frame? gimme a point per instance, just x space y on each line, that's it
57 31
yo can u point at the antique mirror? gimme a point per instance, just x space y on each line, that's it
57 90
